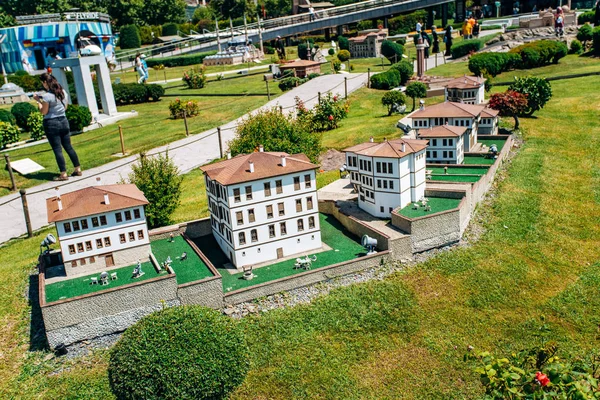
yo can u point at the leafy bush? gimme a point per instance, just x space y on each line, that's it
179 61
269 50
79 117
392 100
178 109
21 111
391 50
194 79
158 178
587 16
364 25
343 55
129 37
302 51
291 82
187 352
325 115
509 104
147 31
35 122
337 65
596 40
8 117
537 90
26 82
406 23
155 92
170 29
466 47
130 93
493 63
386 80
406 70
585 33
576 47
9 133
540 53
276 132
313 76
416 89
343 43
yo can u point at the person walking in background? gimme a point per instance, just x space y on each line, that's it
139 68
144 68
56 126
466 30
476 28
419 26
426 42
311 12
597 14
280 47
435 40
448 40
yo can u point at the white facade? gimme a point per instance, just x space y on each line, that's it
84 238
470 137
384 183
265 219
472 95
488 125
448 150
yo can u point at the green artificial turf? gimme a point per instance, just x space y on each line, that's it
498 142
344 246
81 285
459 170
437 204
190 270
478 160
455 178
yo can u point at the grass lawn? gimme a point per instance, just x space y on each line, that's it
344 247
455 178
459 170
480 160
81 285
152 128
488 142
190 270
437 204
538 256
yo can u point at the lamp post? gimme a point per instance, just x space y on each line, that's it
2 37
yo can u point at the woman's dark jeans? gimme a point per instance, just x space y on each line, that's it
58 134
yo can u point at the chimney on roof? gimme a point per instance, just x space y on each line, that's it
229 155
251 166
106 199
57 191
261 148
283 161
421 104
403 147
98 181
371 139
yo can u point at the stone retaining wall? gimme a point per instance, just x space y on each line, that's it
304 278
192 229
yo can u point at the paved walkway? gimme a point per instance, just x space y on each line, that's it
188 153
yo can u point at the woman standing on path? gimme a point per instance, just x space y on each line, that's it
56 126
436 41
448 40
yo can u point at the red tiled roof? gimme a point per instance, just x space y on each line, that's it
89 201
465 82
266 165
442 131
299 63
488 112
449 109
389 149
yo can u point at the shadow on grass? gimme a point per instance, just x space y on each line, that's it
42 176
37 329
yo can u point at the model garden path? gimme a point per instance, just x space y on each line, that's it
187 154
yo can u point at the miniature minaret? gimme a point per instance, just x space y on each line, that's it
420 58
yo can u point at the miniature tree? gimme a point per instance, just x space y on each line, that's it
392 50
509 104
414 90
343 55
158 177
393 99
130 37
585 33
537 90
344 43
187 352
406 69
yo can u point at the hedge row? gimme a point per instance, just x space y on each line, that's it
587 16
466 47
386 80
596 40
530 55
179 61
127 93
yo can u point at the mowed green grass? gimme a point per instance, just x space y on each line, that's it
437 204
189 270
404 337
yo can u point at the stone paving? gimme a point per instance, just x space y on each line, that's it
188 153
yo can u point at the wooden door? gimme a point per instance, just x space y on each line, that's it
110 262
280 253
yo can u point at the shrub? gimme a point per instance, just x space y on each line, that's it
8 117
276 132
146 34
170 29
79 117
130 93
129 37
291 82
155 92
194 79
509 104
576 47
386 80
343 55
363 25
391 50
269 50
539 53
406 70
21 111
179 61
414 90
537 90
392 100
585 33
466 47
303 51
26 82
337 65
187 352
313 75
325 115
406 23
9 133
178 109
158 178
596 40
35 122
343 43
493 63
587 16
